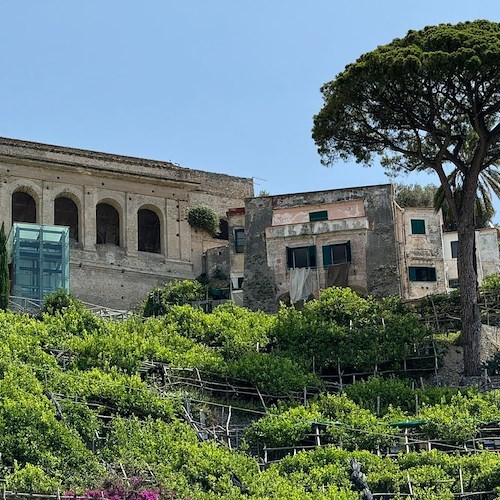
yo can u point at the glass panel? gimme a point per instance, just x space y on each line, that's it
301 257
422 273
40 260
239 240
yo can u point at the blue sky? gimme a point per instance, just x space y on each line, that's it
226 86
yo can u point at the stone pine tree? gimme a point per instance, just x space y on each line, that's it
427 102
4 271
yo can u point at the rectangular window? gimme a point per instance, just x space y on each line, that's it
239 240
240 282
422 273
453 283
336 254
417 226
454 249
318 216
301 257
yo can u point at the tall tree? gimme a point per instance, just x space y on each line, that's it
4 271
428 101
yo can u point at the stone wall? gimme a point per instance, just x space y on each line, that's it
421 250
109 275
259 287
363 216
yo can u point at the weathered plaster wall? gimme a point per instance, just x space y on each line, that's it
336 211
259 288
217 261
319 234
374 267
236 220
421 250
106 274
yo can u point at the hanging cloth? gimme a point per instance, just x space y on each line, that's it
337 275
300 284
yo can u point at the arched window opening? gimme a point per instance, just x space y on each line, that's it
108 225
148 225
66 214
23 208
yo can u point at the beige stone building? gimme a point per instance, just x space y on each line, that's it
420 248
127 216
298 244
292 246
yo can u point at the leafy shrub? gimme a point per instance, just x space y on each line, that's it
161 299
31 479
60 300
204 217
395 392
272 373
342 327
491 283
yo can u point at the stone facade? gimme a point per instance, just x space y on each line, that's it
428 258
352 227
383 249
109 264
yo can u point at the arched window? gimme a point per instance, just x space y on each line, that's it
148 225
108 224
23 207
66 214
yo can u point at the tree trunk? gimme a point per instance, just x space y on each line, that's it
467 275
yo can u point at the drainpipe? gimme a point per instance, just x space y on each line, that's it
400 253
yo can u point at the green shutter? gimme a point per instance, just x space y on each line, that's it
412 273
318 216
417 226
327 256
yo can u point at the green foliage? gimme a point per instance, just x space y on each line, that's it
161 299
174 452
415 195
491 283
397 393
426 102
272 373
60 300
31 479
204 217
4 271
342 327
62 418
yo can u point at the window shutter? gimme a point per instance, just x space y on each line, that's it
312 256
432 274
327 256
417 226
318 216
412 273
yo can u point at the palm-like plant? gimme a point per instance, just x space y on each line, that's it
488 184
